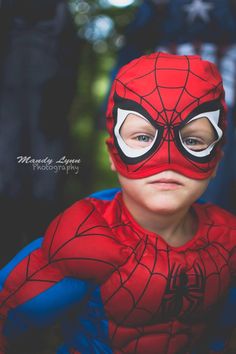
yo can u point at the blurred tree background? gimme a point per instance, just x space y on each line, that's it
100 25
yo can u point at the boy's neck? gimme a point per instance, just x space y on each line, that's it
176 228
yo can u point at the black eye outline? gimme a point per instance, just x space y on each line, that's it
130 105
205 107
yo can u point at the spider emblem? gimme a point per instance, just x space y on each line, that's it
184 293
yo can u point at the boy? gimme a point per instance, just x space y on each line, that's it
147 271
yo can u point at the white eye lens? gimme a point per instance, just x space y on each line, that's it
145 141
201 133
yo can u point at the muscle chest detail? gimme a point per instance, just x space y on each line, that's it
158 284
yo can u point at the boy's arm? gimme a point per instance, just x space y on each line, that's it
34 294
43 308
42 284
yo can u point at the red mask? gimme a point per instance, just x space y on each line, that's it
169 91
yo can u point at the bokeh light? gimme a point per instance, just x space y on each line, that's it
98 28
119 3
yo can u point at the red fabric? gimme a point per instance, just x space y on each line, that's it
157 298
168 88
158 301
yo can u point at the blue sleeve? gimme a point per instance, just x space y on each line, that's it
47 306
4 272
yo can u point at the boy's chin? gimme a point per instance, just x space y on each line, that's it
164 205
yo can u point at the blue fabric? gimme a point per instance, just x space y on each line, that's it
228 315
106 194
4 273
225 322
63 350
143 15
88 330
217 345
88 333
45 308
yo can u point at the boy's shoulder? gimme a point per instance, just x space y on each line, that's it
83 217
89 210
81 238
92 207
219 227
82 232
217 215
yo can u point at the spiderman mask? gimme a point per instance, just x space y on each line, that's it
168 91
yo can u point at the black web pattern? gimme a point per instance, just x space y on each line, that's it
184 296
169 122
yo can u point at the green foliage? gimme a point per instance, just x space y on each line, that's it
87 118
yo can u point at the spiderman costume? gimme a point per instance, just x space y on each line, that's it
128 289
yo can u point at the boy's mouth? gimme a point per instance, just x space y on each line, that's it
166 183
